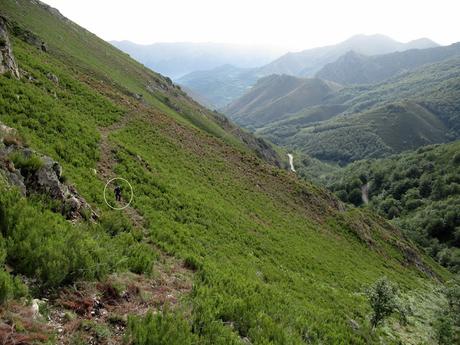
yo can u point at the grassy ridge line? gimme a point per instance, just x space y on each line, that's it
105 62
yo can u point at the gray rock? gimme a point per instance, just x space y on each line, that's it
7 61
16 179
48 182
74 203
353 324
54 78
57 169
45 180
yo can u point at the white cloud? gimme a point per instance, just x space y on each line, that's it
295 24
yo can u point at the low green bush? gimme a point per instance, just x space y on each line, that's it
27 165
164 328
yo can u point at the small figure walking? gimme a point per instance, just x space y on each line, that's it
117 192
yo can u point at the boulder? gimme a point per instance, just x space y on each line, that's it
7 61
52 77
46 179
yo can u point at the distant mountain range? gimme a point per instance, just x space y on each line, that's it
233 83
219 86
177 59
355 68
407 111
307 62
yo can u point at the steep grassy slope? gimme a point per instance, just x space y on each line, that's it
419 190
276 97
405 112
109 65
275 260
354 68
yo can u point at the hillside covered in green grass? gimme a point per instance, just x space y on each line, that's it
219 245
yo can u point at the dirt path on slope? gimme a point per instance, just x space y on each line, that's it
365 193
80 312
107 162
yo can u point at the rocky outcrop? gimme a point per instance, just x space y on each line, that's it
35 173
7 61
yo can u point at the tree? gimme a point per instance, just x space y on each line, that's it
443 329
355 197
383 299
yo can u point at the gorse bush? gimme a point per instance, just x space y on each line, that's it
42 245
163 328
27 164
11 287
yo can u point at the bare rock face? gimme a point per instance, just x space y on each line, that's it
44 178
7 61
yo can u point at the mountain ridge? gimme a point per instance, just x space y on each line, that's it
177 59
301 64
335 128
355 68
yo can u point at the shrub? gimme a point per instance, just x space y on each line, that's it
141 257
383 300
41 245
10 287
342 195
393 212
192 263
355 197
115 223
456 158
28 165
443 330
165 328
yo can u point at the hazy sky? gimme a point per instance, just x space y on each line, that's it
294 24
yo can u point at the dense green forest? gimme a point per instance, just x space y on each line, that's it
419 191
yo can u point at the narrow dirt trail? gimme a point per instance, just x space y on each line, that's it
107 161
291 162
365 193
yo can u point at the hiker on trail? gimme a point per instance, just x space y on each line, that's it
117 192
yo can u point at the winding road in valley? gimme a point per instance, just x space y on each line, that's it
291 161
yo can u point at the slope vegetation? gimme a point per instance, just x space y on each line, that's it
273 259
419 190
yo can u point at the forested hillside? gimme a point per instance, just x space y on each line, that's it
368 121
219 244
276 97
419 191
